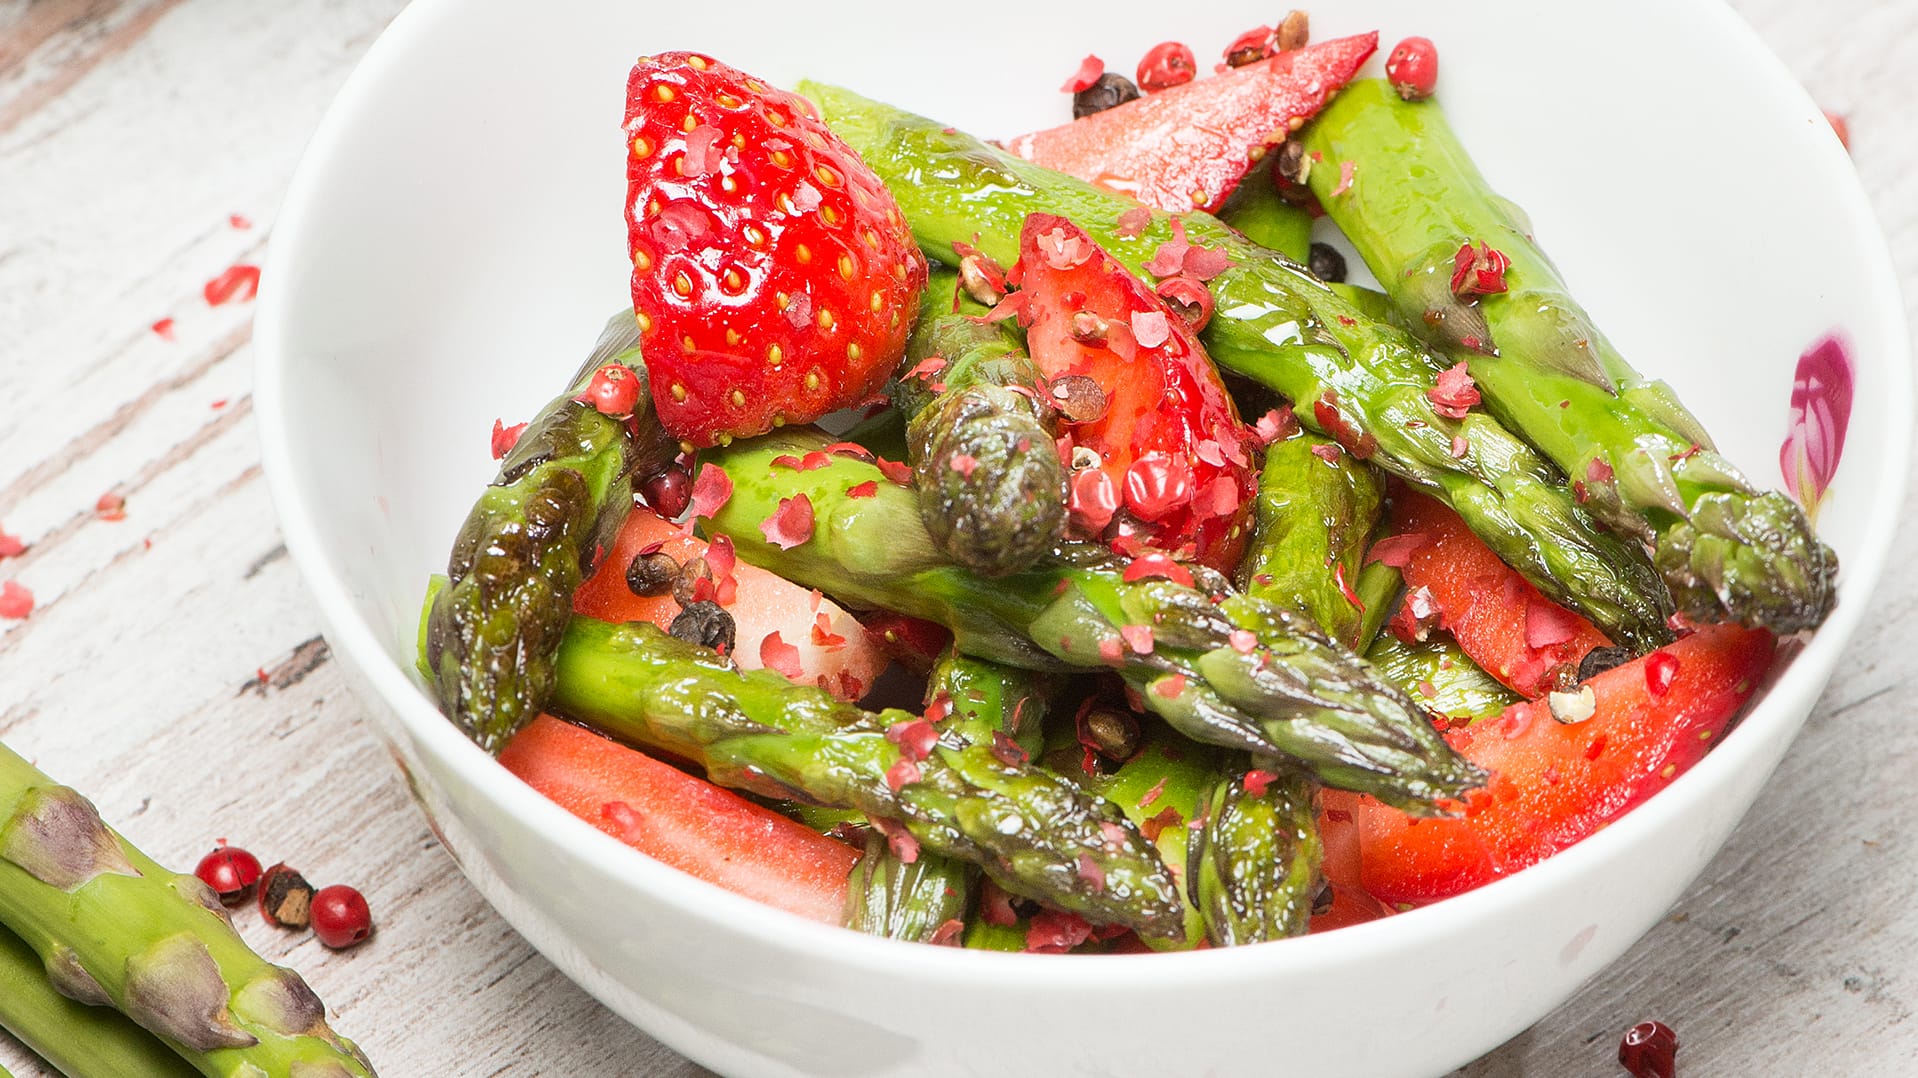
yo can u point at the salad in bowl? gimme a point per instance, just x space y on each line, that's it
1211 520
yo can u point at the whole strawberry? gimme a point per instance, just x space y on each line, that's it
773 277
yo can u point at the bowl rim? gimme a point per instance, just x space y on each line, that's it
350 634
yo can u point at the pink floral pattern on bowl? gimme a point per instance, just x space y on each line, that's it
1821 395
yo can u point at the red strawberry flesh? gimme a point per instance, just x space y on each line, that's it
772 271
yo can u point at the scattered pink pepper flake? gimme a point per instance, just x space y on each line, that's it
164 328
785 460
1257 781
1840 127
629 821
1155 564
823 634
1547 623
1089 71
848 449
950 933
1090 872
1276 424
1110 649
111 506
1455 393
791 524
701 157
1347 170
1138 638
902 773
235 284
1169 259
1243 641
1661 669
1170 688
963 463
16 602
1396 550
1150 328
926 367
863 490
1007 751
915 738
10 545
1091 501
1158 788
904 846
896 471
505 438
1460 446
712 489
1205 263
218 404
1327 452
780 657
1132 222
1155 826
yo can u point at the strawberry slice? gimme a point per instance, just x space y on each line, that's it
1504 623
1175 463
1187 147
1554 783
772 271
684 821
830 648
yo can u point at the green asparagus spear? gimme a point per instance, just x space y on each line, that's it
561 495
992 489
1378 586
1161 787
111 927
1031 831
916 900
1257 211
1441 676
81 1041
1241 673
1645 463
1254 867
1316 508
1352 377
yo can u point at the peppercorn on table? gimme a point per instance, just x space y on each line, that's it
169 664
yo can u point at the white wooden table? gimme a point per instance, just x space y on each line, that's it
174 671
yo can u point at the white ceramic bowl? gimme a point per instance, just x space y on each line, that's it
453 242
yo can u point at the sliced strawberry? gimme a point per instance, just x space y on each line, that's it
1554 783
1175 463
772 271
829 648
1504 623
1186 147
683 821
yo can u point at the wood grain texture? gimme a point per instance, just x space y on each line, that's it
173 669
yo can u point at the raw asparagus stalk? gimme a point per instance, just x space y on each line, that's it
1254 867
974 396
1031 831
79 1040
1644 462
917 900
1352 377
914 900
1316 508
1441 676
1241 673
111 927
1257 211
1162 788
560 496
